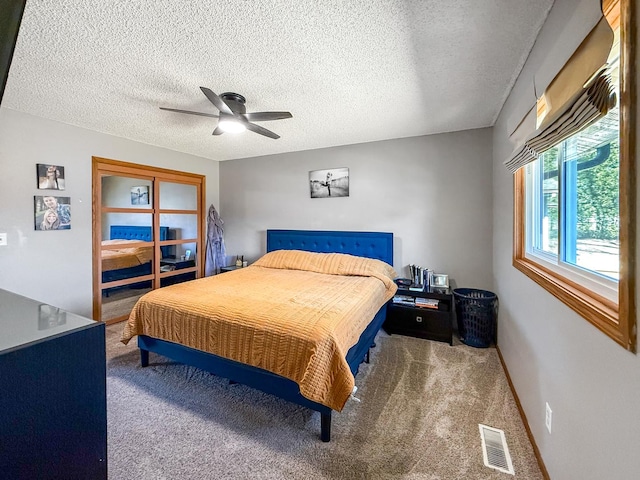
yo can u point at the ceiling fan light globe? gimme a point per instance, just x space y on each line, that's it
231 126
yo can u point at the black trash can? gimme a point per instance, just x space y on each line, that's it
477 313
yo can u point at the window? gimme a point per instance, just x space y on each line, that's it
572 216
574 209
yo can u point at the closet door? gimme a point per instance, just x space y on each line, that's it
127 243
181 252
148 233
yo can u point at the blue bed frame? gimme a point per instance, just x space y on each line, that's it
365 244
134 232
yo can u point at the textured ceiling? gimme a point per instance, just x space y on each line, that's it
349 71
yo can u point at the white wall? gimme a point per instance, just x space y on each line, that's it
432 192
552 354
55 266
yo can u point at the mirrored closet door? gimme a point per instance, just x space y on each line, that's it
148 233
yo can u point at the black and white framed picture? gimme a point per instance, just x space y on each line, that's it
333 182
140 195
52 213
50 177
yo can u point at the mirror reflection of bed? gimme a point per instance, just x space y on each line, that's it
128 260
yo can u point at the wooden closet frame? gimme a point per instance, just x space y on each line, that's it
102 166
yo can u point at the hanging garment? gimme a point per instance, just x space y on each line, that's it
215 254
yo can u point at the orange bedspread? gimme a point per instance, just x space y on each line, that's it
124 257
292 313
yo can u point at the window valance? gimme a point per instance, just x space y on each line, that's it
579 95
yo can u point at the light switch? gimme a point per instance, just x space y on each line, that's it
3 239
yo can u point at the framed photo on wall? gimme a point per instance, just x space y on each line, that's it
50 177
140 195
333 182
52 213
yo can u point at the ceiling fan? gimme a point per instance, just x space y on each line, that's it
233 116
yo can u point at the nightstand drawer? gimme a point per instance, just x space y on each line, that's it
427 323
408 317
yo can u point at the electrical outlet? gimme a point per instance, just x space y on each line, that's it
547 417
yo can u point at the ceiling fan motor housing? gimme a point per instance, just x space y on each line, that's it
234 101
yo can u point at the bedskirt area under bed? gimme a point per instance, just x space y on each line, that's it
260 379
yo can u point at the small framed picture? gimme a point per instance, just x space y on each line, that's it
187 255
329 183
440 280
52 213
50 177
140 195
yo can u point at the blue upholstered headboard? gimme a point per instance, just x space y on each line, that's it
377 245
144 234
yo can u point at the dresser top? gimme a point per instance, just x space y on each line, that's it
24 321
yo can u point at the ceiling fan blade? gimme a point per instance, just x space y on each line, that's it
261 130
265 116
218 131
189 112
216 100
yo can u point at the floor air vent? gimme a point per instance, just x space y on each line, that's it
495 450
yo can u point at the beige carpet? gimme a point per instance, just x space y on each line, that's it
421 403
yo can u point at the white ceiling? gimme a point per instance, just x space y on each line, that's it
349 71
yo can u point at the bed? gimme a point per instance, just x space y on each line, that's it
306 348
129 262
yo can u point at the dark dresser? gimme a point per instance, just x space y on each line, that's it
53 404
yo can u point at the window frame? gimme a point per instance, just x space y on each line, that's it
617 319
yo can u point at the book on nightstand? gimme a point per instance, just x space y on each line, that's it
427 303
403 300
